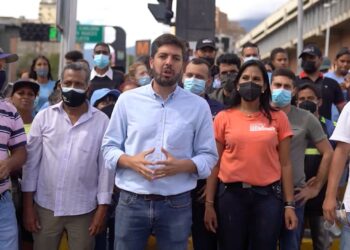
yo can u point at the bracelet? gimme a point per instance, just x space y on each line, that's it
209 202
289 207
289 204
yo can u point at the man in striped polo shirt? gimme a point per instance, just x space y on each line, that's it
12 157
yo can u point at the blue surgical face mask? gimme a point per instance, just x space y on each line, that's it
216 83
42 72
101 61
144 80
246 59
281 97
195 85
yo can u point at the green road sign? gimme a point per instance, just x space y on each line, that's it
89 33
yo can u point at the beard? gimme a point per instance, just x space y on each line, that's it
165 82
343 72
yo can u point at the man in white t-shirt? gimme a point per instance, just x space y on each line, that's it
341 134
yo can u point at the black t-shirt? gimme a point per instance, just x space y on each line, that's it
329 89
105 82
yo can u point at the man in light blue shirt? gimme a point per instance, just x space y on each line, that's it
160 139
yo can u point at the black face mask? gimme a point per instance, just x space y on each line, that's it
308 105
73 99
308 66
249 91
209 60
2 78
227 81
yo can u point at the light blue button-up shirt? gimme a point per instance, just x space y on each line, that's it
182 124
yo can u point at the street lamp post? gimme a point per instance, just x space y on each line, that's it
328 6
300 31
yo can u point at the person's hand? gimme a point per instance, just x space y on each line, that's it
98 220
308 192
4 169
290 218
138 163
210 219
329 207
30 219
171 166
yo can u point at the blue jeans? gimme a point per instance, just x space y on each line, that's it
291 239
138 217
8 223
345 236
248 218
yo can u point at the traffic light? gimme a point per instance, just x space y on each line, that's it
35 32
162 11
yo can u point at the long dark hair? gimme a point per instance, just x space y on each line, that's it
32 73
265 98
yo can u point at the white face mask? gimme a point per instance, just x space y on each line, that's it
246 59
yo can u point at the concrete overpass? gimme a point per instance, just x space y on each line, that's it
280 28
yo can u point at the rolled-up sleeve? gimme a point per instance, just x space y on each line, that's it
34 150
205 151
115 135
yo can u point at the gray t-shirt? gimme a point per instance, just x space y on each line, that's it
305 128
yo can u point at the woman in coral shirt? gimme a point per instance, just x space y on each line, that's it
253 143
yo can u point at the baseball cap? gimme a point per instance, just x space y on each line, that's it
326 64
205 42
342 51
99 94
9 58
25 83
311 49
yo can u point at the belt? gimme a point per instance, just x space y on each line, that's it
154 197
247 185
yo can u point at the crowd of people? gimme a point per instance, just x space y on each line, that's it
234 151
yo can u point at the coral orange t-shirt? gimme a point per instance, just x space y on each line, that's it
250 146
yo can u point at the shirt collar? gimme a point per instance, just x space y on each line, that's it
304 75
155 95
109 74
91 110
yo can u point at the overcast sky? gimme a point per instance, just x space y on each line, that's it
133 15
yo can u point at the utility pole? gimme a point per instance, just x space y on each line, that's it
66 21
328 6
300 33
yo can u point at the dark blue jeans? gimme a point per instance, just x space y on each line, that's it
137 218
249 218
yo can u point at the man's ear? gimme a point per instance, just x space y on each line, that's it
319 102
294 91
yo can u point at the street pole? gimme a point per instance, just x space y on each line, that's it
67 23
328 29
300 33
